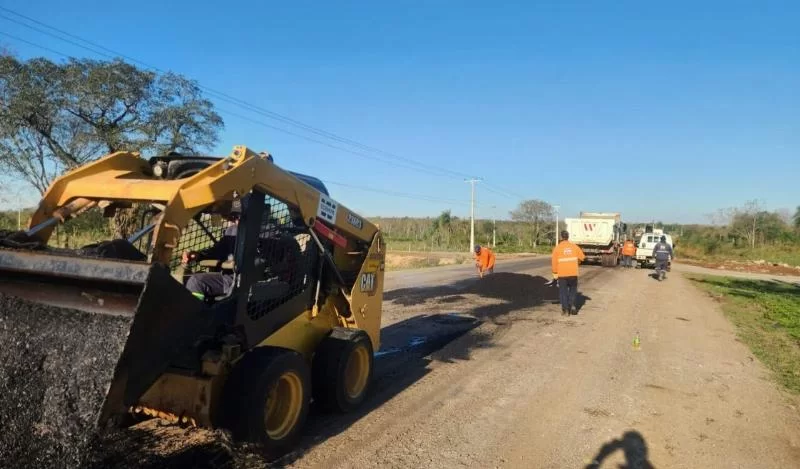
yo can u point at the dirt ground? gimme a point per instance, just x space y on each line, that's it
489 374
528 388
756 267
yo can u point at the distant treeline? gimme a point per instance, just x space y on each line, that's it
748 232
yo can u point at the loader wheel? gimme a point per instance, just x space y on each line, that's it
266 398
342 370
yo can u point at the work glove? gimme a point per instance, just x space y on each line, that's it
188 256
552 282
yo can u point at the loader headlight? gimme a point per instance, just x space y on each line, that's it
158 170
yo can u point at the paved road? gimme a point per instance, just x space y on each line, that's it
449 274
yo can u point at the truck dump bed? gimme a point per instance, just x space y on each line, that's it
591 231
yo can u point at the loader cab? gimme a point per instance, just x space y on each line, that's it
271 254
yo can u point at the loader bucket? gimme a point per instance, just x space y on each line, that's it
81 339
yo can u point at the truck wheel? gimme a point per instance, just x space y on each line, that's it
342 370
266 398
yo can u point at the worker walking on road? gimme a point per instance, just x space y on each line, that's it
663 254
628 253
565 260
484 260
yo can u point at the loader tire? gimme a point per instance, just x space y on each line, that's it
342 370
266 399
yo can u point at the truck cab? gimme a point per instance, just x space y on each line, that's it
648 241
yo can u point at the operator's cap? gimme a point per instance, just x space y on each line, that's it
477 248
565 234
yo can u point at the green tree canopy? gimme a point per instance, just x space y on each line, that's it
796 218
56 116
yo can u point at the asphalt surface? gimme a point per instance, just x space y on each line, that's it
450 274
57 365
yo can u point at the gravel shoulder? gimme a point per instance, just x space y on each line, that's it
694 269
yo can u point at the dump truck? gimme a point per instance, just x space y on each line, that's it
96 338
599 234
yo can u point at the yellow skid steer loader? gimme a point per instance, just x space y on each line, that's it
94 337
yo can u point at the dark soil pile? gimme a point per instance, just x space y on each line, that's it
55 368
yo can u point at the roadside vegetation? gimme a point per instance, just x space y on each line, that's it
745 234
767 318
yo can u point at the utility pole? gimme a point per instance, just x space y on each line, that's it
556 235
472 183
494 226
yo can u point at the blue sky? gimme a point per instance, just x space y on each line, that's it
660 111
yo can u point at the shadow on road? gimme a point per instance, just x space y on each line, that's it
409 346
514 290
581 300
633 447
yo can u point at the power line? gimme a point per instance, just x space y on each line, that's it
226 97
411 164
110 53
32 44
256 121
310 139
369 189
396 194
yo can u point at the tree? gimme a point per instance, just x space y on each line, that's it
796 218
744 223
57 116
537 213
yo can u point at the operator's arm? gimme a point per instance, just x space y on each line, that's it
581 255
220 250
492 258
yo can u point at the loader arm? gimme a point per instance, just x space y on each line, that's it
125 177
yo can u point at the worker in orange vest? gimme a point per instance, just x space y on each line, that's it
628 251
484 260
565 260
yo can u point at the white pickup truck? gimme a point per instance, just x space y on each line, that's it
644 250
599 235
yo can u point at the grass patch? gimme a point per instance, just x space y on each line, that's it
767 318
783 254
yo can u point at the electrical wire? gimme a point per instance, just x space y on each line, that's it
410 163
110 53
351 186
398 194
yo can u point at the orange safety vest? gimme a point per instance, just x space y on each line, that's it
629 249
485 259
566 257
